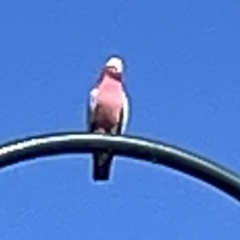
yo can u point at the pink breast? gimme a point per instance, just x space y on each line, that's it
109 102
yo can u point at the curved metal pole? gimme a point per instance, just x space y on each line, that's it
155 152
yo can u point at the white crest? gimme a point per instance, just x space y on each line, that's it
115 62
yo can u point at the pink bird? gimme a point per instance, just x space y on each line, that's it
108 112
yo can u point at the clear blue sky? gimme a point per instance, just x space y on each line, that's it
183 76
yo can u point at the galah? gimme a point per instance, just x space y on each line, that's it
108 112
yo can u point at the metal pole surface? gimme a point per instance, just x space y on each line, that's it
133 147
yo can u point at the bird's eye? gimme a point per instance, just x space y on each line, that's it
112 69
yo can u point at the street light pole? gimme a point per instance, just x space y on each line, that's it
129 146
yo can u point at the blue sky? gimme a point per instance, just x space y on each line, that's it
183 77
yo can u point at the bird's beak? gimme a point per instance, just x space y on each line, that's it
112 69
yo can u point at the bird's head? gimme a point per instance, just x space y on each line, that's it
114 66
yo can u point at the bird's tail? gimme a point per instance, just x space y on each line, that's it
101 163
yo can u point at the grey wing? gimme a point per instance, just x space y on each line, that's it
125 114
91 105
